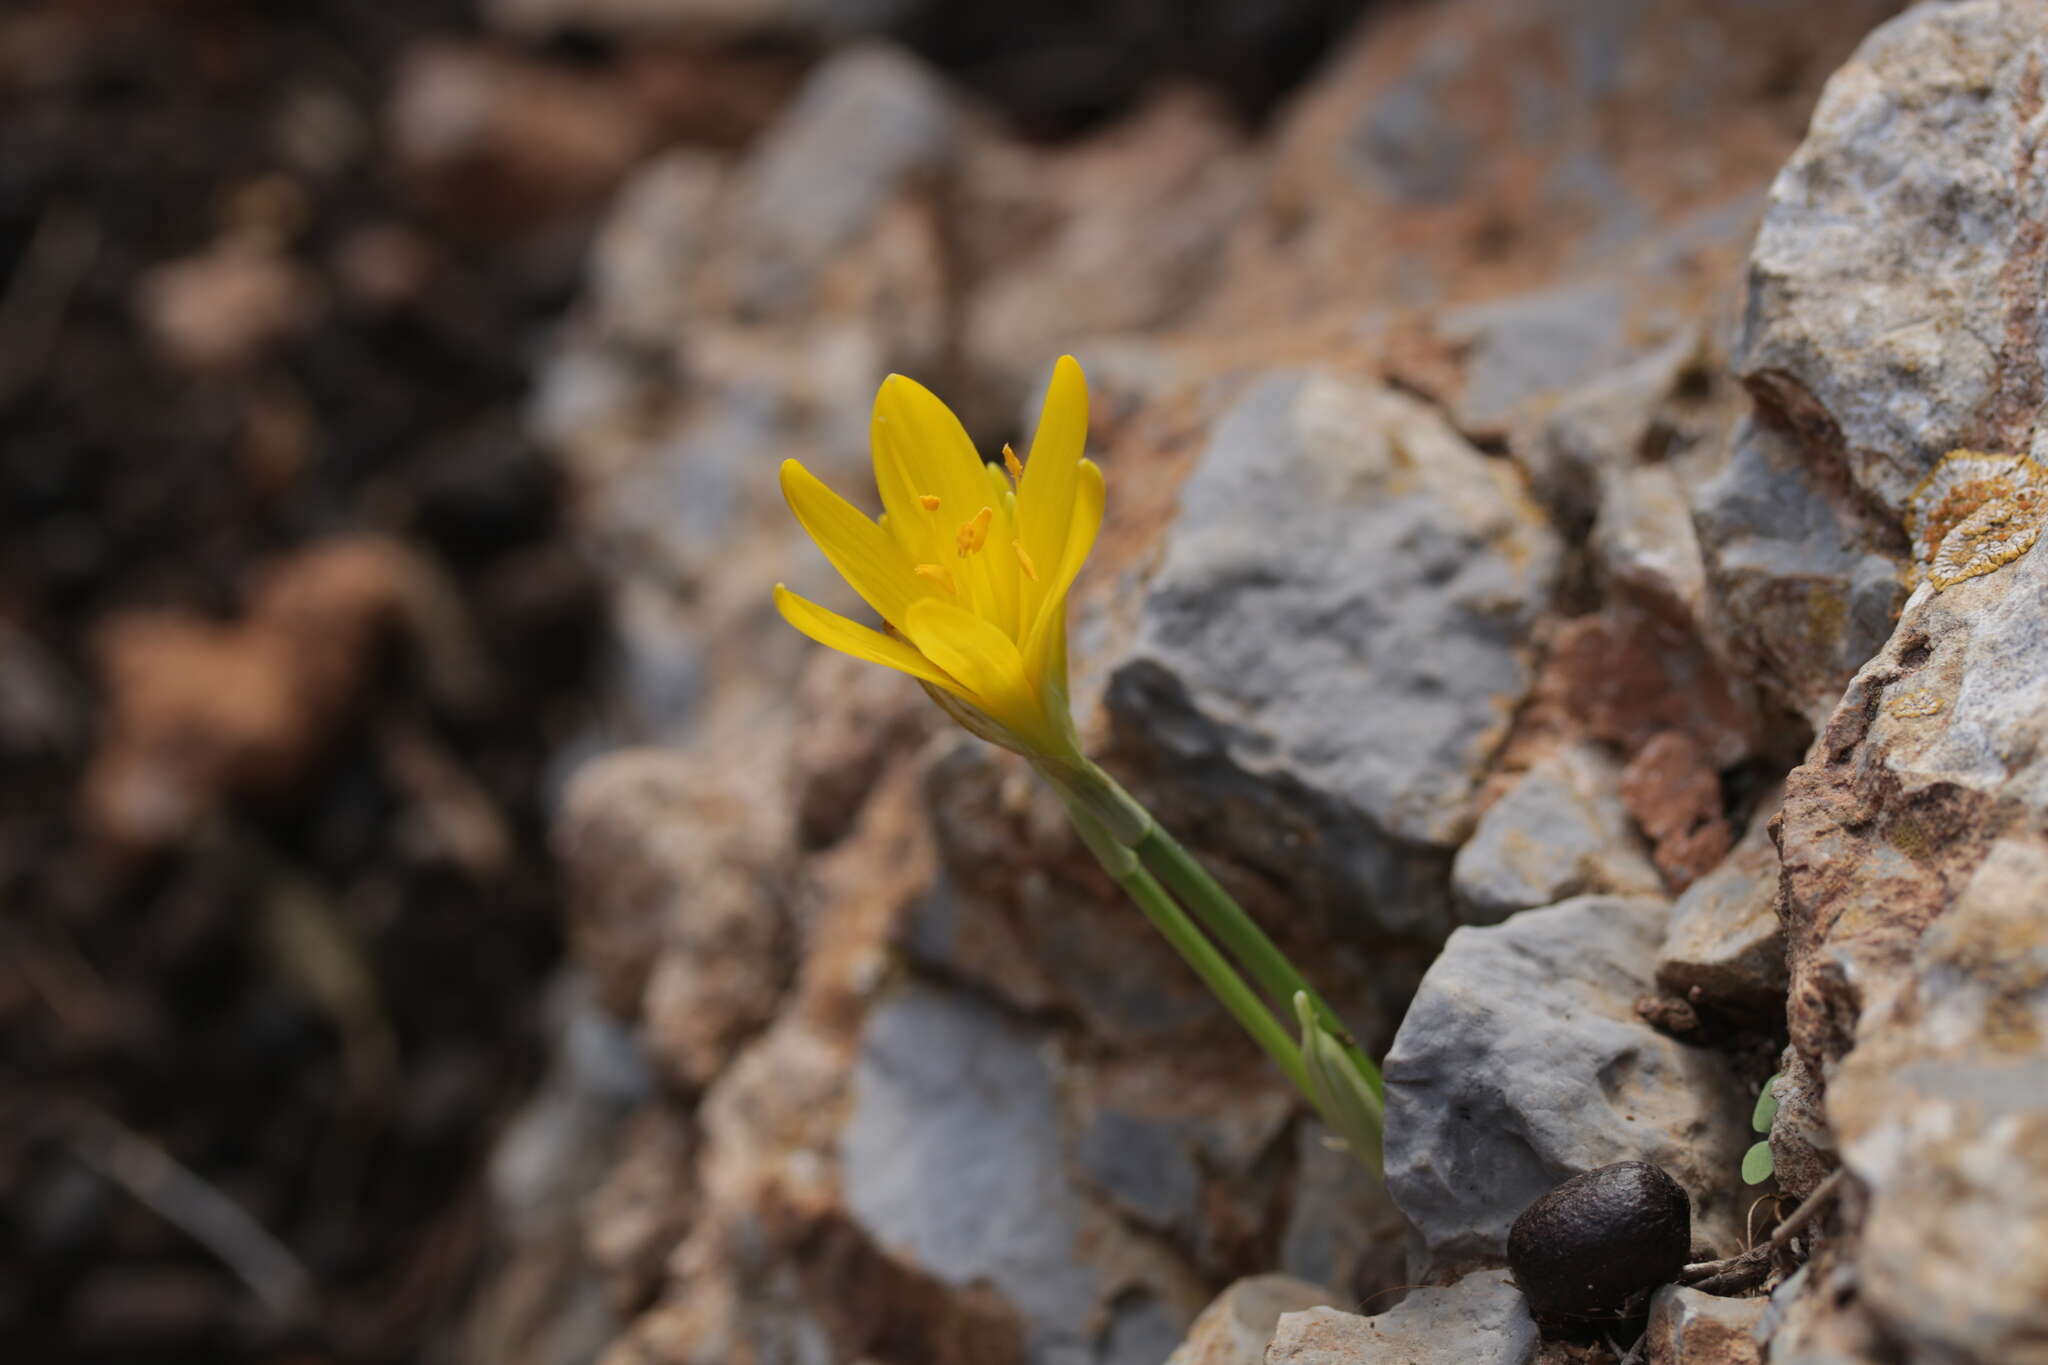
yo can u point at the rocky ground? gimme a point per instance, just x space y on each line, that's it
1536 576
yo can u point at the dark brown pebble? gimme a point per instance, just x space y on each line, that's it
1597 1240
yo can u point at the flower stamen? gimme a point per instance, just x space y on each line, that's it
928 501
1012 463
1030 569
939 575
973 534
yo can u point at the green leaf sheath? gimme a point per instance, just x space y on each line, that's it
1216 973
1223 917
1187 940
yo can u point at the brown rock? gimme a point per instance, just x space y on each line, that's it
857 719
1625 676
1674 793
486 134
221 309
1119 234
1690 1328
1725 948
197 710
675 898
1235 1328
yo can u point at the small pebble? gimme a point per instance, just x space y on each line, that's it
1599 1239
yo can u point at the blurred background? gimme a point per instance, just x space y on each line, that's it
295 638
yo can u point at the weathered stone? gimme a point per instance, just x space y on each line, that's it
1235 1328
1894 307
1626 675
1724 949
1406 142
1674 793
1893 316
1022 913
543 1304
1523 350
1522 1061
869 122
1125 235
673 899
1342 1230
490 135
1468 151
1691 1328
1188 1152
1912 884
1480 1320
1803 587
1559 831
657 234
1603 428
1340 553
952 1159
224 307
1644 541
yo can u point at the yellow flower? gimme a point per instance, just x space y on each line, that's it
970 565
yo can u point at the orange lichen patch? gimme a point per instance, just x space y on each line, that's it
1976 512
1921 701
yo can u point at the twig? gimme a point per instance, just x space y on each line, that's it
1803 1215
1736 1271
203 1213
1634 1354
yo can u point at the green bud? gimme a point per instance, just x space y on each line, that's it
1346 1100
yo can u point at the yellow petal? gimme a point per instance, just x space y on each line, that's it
920 447
1045 643
1045 495
865 555
908 507
984 660
834 631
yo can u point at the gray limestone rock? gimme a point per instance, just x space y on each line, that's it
952 1160
1725 947
1342 1231
1893 315
1914 873
1691 1328
658 232
1522 1061
869 121
1799 582
1480 1320
1602 426
1560 831
1896 281
1336 637
1235 1328
1535 346
1408 141
1645 544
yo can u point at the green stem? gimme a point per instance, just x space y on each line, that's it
1223 917
1200 954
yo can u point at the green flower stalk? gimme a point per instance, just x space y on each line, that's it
969 569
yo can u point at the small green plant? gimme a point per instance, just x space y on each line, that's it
1758 1165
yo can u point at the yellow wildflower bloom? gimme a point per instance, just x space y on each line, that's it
970 565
